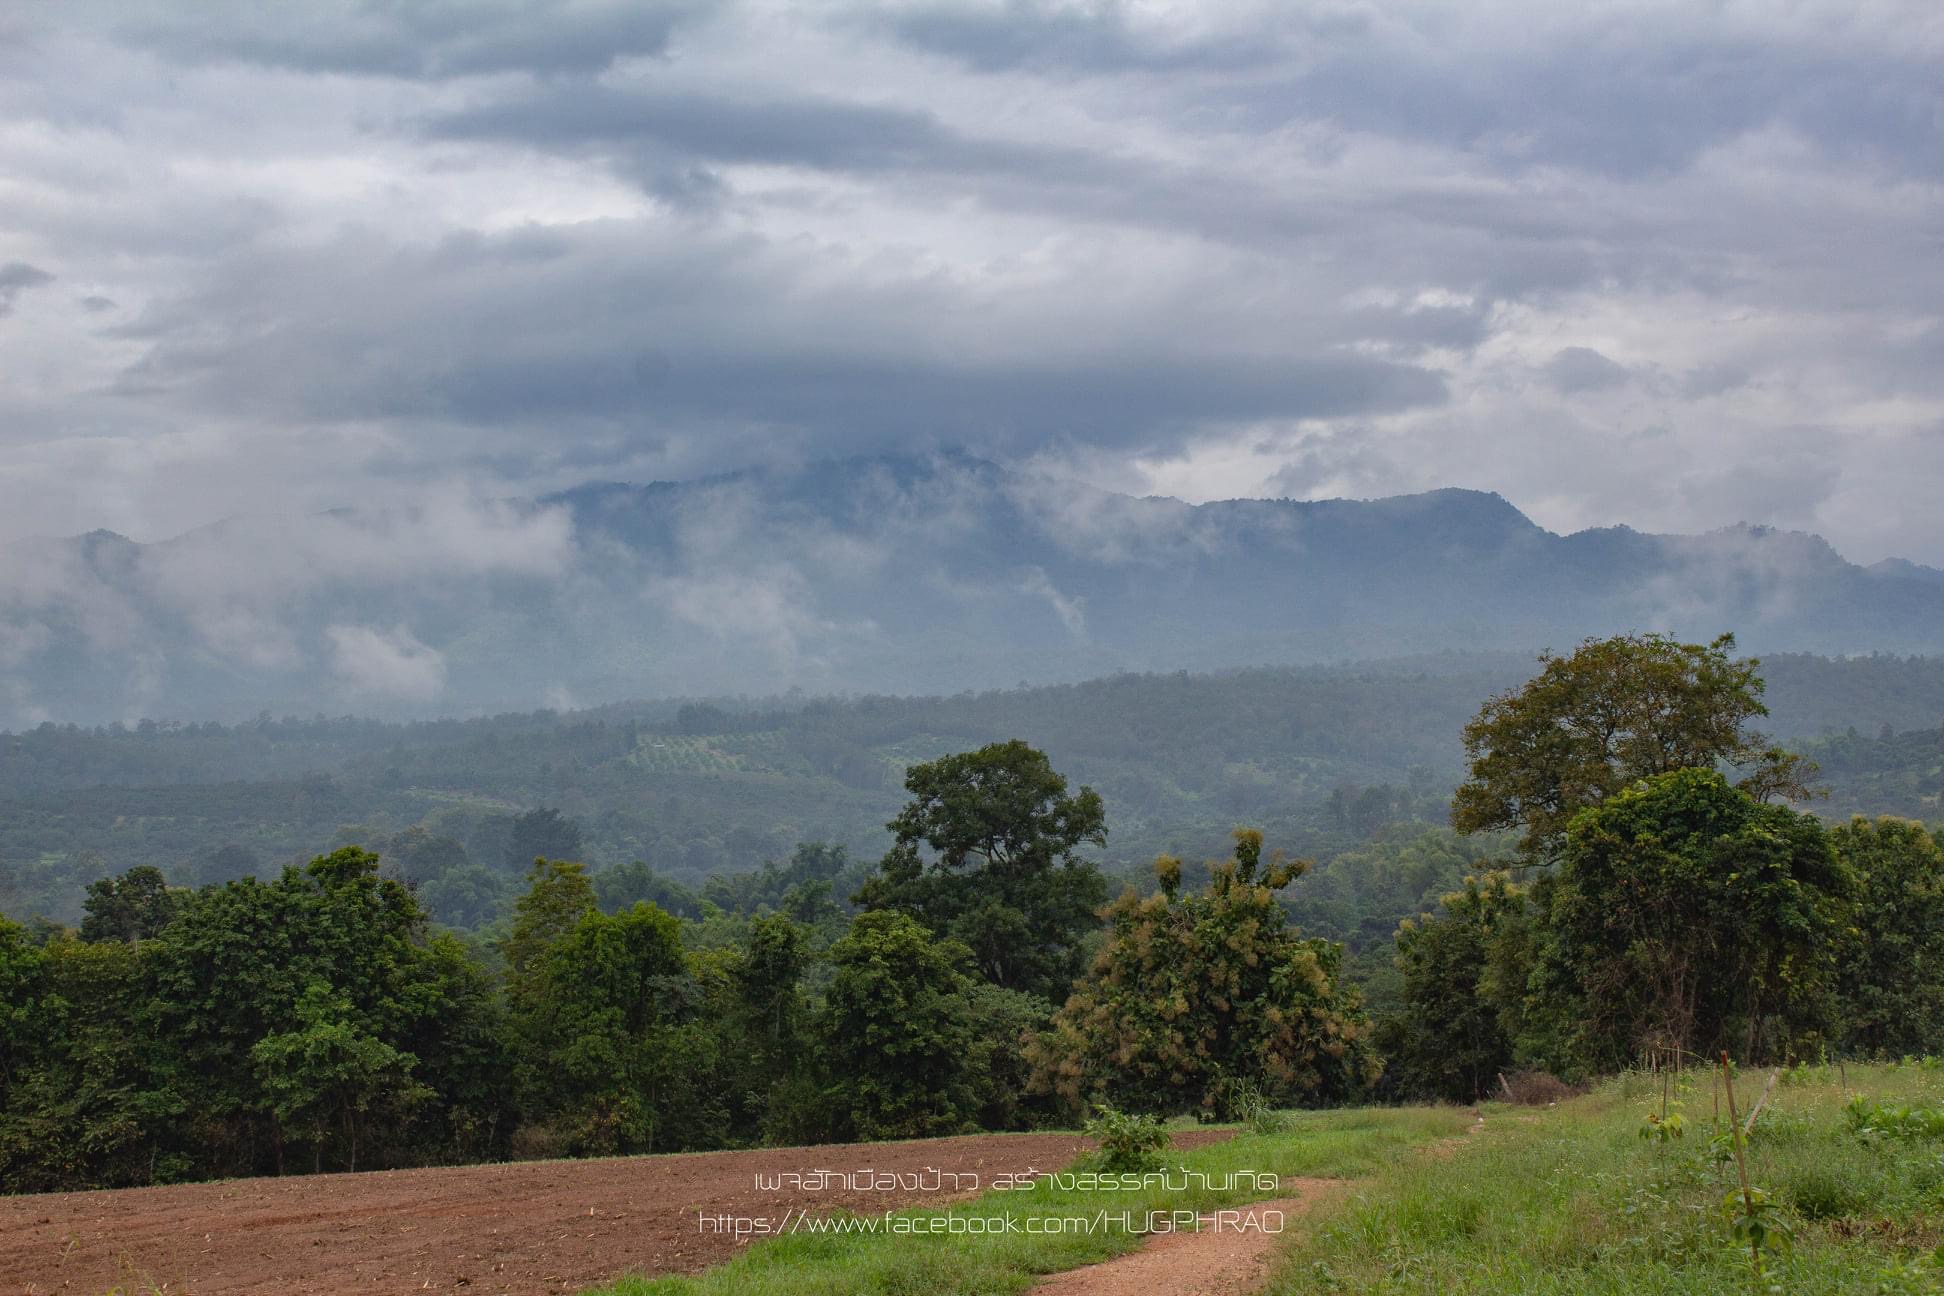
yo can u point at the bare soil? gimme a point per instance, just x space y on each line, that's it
531 1227
1213 1261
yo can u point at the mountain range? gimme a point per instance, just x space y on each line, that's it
932 573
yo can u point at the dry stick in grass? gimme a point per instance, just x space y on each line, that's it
1748 1126
1735 1133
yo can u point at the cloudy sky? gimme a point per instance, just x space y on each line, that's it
1674 264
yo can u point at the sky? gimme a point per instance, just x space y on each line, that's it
1677 265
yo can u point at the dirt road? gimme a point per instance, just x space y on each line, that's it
1228 1256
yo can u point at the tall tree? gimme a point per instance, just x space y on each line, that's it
97 1097
1616 711
1893 976
558 895
330 1075
894 1030
135 906
1453 1036
22 968
766 1021
986 853
333 951
606 1058
1696 917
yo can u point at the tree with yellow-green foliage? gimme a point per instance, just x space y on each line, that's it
1616 711
1198 999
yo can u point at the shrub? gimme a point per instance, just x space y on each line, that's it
1871 1121
1535 1088
1261 1118
1823 1193
1128 1143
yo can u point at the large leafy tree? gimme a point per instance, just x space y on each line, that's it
608 1050
1198 997
1694 916
558 895
1616 711
1458 1023
986 853
91 1095
22 973
331 1075
894 1031
1892 985
135 906
329 955
767 976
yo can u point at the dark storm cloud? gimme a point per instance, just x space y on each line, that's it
1634 103
676 339
655 129
426 38
1623 92
1140 401
15 278
1023 34
1555 251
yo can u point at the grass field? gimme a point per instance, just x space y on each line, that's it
1573 1200
1342 1144
1554 1201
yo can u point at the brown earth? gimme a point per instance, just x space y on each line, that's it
538 1227
1226 1256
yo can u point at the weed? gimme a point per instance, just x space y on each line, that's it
1128 1143
1822 1193
1873 1121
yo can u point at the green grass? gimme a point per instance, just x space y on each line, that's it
1318 1144
1571 1200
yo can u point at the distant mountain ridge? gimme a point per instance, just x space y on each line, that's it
891 574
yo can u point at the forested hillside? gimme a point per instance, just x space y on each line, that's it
1623 873
1325 759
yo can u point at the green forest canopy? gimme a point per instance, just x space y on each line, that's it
1324 759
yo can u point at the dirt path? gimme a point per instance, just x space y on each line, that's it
535 1227
1225 1257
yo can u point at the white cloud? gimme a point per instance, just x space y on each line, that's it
388 664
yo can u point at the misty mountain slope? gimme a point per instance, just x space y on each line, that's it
889 574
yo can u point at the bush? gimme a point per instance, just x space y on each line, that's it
1535 1088
1128 1143
538 1141
1247 1104
1872 1121
1821 1193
